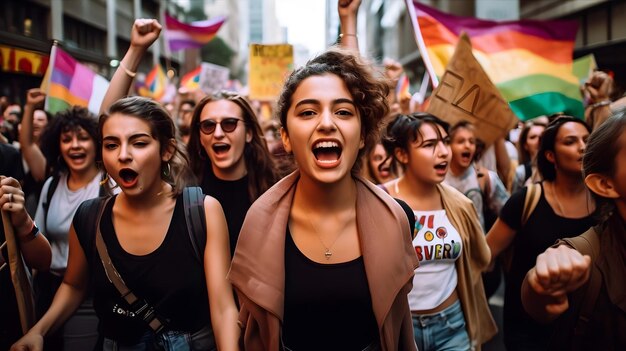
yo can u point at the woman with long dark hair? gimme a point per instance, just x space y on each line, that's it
229 155
564 208
132 247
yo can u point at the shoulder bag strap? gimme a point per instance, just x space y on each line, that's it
193 201
144 311
533 194
46 205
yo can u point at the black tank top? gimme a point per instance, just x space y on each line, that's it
327 306
235 200
170 278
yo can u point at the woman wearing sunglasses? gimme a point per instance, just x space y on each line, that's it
229 156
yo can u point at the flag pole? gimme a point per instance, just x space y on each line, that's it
420 43
45 82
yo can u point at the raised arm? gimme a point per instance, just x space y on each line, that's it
224 314
348 10
558 272
503 161
66 300
598 89
30 150
143 33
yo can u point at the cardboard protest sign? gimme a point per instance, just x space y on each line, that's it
466 93
213 78
269 66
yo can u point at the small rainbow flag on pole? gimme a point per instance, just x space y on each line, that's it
529 61
184 36
69 83
191 80
155 84
402 88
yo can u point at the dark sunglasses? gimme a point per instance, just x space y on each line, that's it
228 125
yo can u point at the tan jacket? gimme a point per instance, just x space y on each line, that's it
258 268
474 260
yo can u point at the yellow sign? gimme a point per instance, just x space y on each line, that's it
269 67
22 61
466 93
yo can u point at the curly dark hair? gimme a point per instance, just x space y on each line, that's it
602 145
405 129
368 89
547 142
162 129
70 120
260 166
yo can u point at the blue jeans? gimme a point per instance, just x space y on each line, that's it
443 330
167 341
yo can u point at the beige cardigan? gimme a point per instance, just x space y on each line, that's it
474 260
258 268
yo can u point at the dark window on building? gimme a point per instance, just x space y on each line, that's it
24 18
81 35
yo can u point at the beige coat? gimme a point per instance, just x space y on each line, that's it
258 272
474 260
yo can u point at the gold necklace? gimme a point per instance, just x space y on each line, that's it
327 249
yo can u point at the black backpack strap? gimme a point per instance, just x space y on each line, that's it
587 243
193 201
410 215
84 223
46 204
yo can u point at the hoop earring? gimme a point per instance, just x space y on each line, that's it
167 170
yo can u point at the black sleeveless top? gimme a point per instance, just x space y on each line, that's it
234 198
170 278
327 306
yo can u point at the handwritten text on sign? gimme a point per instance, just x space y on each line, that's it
269 66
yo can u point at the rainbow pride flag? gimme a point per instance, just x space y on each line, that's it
402 87
69 83
191 80
181 35
584 67
155 84
529 61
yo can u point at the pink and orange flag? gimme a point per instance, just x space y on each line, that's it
529 61
182 35
68 82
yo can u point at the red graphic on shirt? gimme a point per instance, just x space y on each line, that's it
435 251
442 232
431 219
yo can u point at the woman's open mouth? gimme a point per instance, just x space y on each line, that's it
128 177
441 168
220 148
77 156
466 156
327 153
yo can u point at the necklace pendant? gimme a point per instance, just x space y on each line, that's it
327 254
